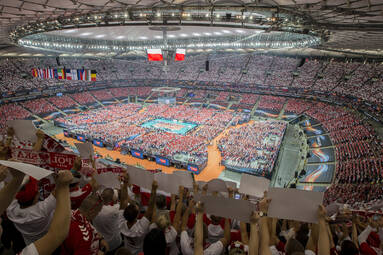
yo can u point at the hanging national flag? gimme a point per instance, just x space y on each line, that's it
34 72
87 75
61 75
74 74
93 75
155 55
40 73
68 74
51 74
180 55
55 74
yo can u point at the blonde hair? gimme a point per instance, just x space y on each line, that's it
163 221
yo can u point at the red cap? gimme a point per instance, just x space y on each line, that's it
28 192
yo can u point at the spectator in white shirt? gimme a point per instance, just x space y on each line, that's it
200 245
59 228
106 222
133 229
31 218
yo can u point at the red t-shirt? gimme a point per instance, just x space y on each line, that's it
82 239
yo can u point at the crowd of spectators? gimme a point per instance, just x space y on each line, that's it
11 112
120 125
39 106
79 215
271 103
62 102
254 146
361 80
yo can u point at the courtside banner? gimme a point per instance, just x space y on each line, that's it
193 169
137 154
81 138
52 159
162 161
98 143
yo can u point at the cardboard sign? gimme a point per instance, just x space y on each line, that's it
294 204
25 130
253 185
36 172
108 180
140 177
85 149
227 207
216 185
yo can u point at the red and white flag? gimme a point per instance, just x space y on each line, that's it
180 55
155 55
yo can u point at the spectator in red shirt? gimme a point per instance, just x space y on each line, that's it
83 239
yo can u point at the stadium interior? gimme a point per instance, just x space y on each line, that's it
287 91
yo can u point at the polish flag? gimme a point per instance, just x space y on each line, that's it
155 55
180 55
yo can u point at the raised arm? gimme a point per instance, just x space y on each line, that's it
185 216
40 140
7 194
10 135
354 234
4 147
152 201
313 238
323 238
59 228
254 237
93 182
198 235
264 248
173 203
177 216
124 192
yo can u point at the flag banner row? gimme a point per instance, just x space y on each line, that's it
65 74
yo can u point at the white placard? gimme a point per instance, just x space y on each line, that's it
36 172
294 204
253 185
25 130
227 207
216 185
184 178
166 183
85 149
140 177
108 180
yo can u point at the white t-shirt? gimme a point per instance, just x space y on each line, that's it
274 251
187 249
29 250
107 224
170 237
32 222
134 236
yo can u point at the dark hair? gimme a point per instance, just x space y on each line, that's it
131 213
107 195
26 204
155 242
123 251
161 202
348 248
302 234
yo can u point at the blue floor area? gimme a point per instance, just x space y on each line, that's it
171 126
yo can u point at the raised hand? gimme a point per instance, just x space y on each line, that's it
64 178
